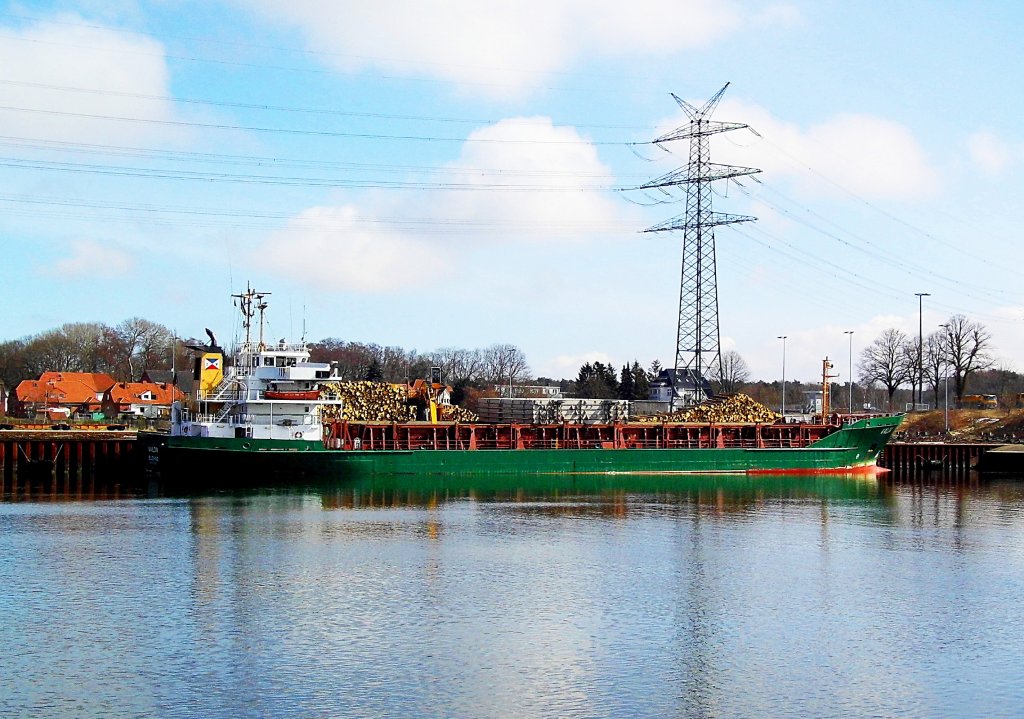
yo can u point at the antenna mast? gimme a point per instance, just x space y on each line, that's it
248 310
697 335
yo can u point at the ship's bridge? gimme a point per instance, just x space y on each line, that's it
281 361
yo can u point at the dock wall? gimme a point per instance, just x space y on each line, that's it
56 454
955 456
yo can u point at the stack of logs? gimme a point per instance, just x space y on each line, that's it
723 409
454 413
367 402
381 402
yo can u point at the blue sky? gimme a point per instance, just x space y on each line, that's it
459 173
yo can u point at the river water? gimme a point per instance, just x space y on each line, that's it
689 597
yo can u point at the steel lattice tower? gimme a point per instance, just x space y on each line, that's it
697 338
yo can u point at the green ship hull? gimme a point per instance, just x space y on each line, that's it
854 447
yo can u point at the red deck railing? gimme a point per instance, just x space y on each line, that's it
415 435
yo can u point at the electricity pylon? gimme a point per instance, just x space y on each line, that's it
697 337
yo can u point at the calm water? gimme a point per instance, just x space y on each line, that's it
694 597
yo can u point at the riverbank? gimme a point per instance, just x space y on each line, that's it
964 425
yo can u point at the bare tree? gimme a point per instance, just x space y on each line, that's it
458 366
140 344
912 359
396 364
504 363
87 340
968 350
734 372
935 352
51 351
886 361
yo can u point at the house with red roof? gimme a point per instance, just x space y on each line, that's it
151 400
70 394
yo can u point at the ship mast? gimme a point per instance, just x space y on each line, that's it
826 389
245 303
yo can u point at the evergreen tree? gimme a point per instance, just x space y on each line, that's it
586 374
609 381
654 371
626 385
596 381
374 372
641 385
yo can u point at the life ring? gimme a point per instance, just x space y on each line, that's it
298 435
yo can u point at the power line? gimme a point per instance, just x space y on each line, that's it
872 250
298 110
974 257
187 175
314 133
262 161
847 276
229 215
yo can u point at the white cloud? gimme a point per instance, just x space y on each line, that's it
525 153
113 68
356 248
993 154
335 249
502 47
92 259
870 156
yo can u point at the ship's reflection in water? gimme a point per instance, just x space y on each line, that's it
552 596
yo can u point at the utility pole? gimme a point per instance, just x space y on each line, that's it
697 332
920 344
850 334
945 403
783 338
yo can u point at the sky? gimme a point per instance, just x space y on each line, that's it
461 174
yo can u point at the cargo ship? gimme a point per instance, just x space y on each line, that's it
275 411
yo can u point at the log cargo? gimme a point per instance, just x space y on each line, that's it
721 409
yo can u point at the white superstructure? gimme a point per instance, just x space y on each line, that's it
270 392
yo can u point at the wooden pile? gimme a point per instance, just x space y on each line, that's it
454 413
381 402
368 402
723 409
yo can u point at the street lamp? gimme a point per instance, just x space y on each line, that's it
850 333
920 345
945 403
783 338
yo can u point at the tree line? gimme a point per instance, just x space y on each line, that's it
955 353
958 353
123 350
496 364
129 348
